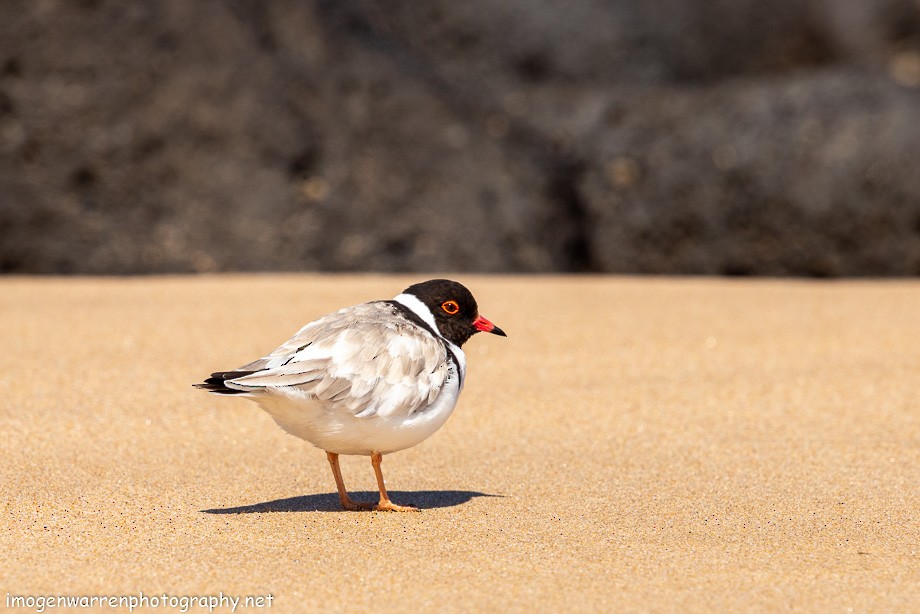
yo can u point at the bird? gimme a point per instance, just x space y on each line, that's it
368 380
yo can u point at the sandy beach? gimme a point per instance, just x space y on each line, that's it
635 444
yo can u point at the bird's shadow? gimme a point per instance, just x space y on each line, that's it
422 499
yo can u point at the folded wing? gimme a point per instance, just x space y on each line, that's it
365 359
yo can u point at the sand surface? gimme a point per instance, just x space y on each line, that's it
633 445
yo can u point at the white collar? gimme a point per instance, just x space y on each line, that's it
413 304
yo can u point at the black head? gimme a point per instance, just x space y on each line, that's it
454 309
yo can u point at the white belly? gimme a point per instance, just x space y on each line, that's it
341 432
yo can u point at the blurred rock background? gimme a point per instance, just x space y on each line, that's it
735 137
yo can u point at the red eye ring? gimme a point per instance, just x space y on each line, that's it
450 307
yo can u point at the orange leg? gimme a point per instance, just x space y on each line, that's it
345 500
385 504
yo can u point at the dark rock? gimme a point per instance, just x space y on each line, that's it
810 177
704 136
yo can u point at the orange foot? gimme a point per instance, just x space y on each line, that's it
357 506
389 506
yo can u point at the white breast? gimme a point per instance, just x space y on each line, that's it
345 433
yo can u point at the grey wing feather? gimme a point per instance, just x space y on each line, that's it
361 359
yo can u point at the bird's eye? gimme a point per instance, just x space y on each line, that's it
450 307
